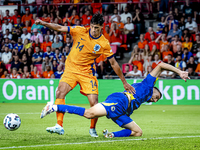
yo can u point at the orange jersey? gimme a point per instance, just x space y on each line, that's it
85 50
26 18
162 44
86 20
47 74
37 75
141 45
46 19
74 18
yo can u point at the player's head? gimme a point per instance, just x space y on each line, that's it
96 24
156 95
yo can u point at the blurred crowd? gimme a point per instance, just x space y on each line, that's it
34 51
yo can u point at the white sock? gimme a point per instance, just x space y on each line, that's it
55 107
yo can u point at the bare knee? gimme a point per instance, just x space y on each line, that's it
137 133
89 114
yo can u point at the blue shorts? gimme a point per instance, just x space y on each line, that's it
116 106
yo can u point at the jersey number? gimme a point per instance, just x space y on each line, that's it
80 47
93 84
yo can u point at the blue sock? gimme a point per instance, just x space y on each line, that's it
71 109
122 133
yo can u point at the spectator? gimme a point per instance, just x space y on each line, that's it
149 69
26 46
106 23
96 6
186 55
170 60
156 61
138 20
161 25
45 63
58 44
24 62
198 54
29 55
135 60
107 32
19 44
149 33
196 44
27 16
115 35
36 35
16 35
174 44
62 60
14 74
144 53
48 73
8 44
6 56
7 16
55 35
16 64
147 62
125 15
49 54
136 50
68 42
66 19
8 35
134 73
167 74
35 73
36 43
73 17
191 72
46 18
86 18
5 74
173 32
46 44
26 73
18 24
58 73
57 55
127 68
153 42
162 42
27 26
179 63
6 25
129 30
120 24
55 64
53 76
191 63
178 52
114 16
191 25
37 56
185 34
25 35
181 24
34 26
165 52
66 51
177 14
15 16
142 42
187 9
187 44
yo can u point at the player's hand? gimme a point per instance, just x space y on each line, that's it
184 75
38 21
129 88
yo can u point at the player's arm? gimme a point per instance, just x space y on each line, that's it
163 66
53 26
118 71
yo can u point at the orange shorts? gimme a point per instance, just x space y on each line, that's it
87 82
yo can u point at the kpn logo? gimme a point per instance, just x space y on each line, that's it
13 91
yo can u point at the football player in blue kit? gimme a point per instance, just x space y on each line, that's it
119 106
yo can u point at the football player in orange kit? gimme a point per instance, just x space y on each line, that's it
88 44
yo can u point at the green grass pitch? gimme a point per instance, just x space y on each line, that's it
164 127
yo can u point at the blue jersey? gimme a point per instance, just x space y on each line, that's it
50 55
144 91
58 74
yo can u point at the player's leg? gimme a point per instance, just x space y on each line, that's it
131 128
93 99
63 89
97 110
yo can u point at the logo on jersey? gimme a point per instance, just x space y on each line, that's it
97 47
113 108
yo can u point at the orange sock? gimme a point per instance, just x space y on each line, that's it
93 123
59 115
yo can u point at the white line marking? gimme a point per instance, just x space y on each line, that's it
158 138
21 113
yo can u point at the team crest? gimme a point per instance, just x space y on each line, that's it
97 47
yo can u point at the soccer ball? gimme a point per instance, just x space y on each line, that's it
12 122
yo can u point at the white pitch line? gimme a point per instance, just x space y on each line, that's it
158 138
21 113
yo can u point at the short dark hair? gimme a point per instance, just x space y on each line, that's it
97 19
158 91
